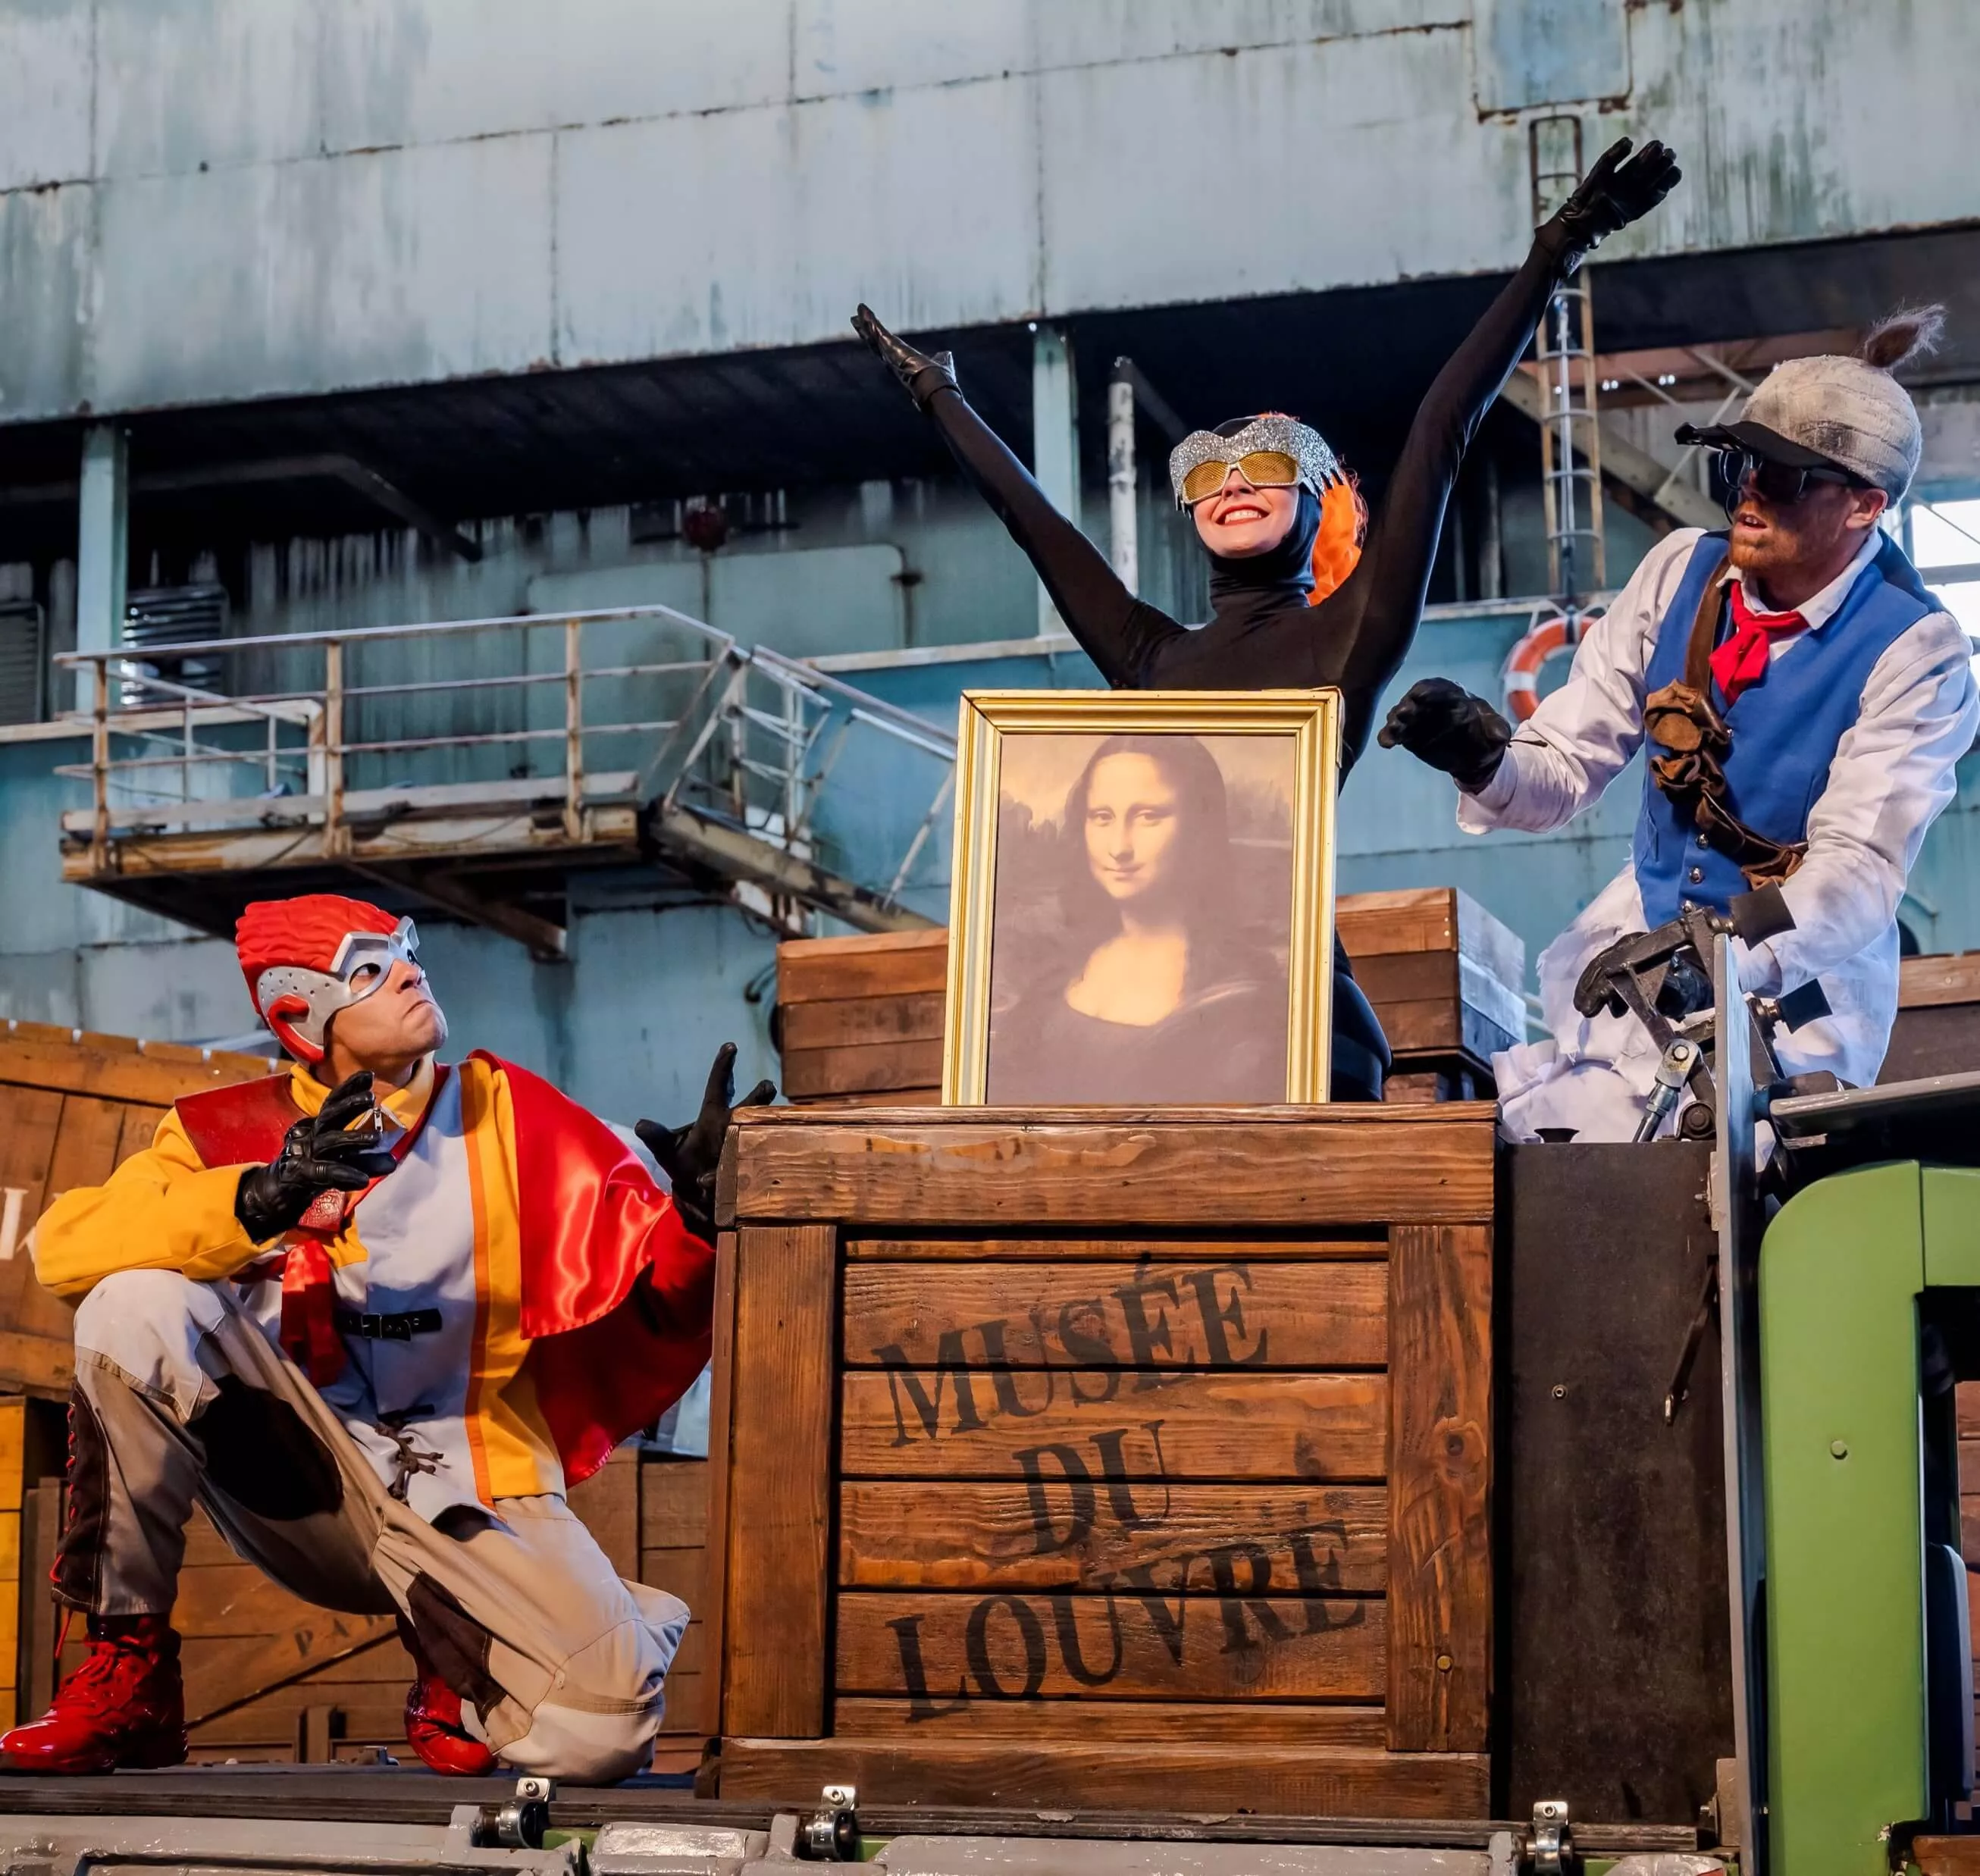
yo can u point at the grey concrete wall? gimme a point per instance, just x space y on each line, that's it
205 199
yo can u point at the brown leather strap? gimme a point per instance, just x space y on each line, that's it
1682 721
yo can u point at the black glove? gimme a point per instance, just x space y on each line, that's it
689 1156
923 376
1616 192
1441 723
317 1155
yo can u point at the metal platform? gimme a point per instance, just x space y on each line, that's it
478 766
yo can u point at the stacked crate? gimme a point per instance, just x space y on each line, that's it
1938 1029
860 1019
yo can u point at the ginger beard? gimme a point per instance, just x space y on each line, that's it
1792 550
390 1030
1239 521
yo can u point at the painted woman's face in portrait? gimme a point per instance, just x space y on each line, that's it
1131 821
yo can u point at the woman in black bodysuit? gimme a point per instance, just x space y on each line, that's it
1263 632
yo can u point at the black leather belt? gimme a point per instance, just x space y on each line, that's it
400 1328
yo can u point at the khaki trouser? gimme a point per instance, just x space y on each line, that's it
181 1397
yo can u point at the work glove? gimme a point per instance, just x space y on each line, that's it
923 375
1441 723
1620 189
321 1152
689 1156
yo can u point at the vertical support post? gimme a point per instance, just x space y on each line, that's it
1123 547
99 767
1492 541
332 747
1054 440
102 555
573 729
185 748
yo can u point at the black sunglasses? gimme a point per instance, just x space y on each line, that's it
1774 481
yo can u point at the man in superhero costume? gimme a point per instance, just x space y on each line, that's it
374 1314
1804 701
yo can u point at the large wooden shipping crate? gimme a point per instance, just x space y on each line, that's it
860 1019
1078 1457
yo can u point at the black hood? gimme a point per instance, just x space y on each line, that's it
1268 583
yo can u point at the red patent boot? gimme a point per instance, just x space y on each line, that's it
124 1707
433 1727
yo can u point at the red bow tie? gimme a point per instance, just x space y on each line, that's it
1741 660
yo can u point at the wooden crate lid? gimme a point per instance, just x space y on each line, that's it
81 1061
882 964
1431 919
1924 983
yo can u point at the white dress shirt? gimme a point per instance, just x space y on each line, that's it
1892 774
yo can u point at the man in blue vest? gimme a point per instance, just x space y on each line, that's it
1805 701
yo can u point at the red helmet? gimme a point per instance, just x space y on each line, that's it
308 957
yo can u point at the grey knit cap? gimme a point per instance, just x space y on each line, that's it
1848 411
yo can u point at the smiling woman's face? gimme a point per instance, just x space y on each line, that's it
1132 816
1239 521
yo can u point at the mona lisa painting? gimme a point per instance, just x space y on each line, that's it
1142 910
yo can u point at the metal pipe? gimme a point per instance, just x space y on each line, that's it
1121 505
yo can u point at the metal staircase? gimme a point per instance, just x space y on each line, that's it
480 766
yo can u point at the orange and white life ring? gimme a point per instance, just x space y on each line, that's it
1545 638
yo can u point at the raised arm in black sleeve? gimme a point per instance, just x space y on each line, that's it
1364 630
1115 629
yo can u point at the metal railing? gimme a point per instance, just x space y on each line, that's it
782 777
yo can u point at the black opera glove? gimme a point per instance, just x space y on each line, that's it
322 1152
1442 724
1619 189
689 1156
923 374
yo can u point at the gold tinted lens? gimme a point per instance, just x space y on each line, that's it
1203 480
1269 469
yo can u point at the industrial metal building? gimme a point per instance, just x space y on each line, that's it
323 317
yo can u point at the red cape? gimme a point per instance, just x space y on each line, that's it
604 1362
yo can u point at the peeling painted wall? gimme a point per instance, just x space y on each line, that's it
205 199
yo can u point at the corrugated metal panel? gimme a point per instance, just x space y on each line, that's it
930 168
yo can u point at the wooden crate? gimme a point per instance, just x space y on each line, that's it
861 1018
1120 1458
73 1107
1444 976
1938 1029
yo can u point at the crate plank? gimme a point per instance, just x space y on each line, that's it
49 1059
683 1573
1175 1166
949 1423
13 1451
1340 1783
721 1392
251 1668
1170 1722
1440 1534
673 1503
85 1148
1102 1249
1203 1312
941 1648
856 1022
779 1556
28 1118
1403 976
1088 1533
140 1129
884 963
1931 982
864 1070
607 1505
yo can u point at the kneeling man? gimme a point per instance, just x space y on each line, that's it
1806 699
374 1314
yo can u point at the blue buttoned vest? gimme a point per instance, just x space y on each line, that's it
1785 731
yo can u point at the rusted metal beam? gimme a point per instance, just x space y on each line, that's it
544 940
738 856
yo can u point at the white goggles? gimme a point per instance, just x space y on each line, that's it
306 1000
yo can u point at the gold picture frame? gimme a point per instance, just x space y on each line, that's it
1309 721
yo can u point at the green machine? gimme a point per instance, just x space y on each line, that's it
1849 1301
1868 1284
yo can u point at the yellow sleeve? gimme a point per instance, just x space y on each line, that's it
162 1210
